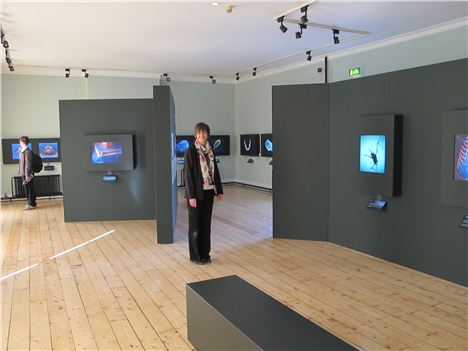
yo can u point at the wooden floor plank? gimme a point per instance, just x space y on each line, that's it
126 292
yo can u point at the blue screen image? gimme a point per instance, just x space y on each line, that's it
461 157
269 145
106 152
16 150
372 154
48 150
217 144
182 146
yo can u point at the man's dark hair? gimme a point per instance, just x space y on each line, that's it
200 126
24 139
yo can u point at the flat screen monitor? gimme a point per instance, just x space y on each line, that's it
460 159
182 144
266 145
11 150
16 150
372 154
220 144
250 144
47 148
110 152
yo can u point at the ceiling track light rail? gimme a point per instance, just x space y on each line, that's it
6 46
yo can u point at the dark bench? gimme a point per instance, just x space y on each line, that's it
230 314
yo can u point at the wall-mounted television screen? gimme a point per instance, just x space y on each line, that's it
11 150
111 152
266 145
16 150
182 144
372 154
460 160
250 144
220 144
47 148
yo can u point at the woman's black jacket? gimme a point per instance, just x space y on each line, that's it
193 175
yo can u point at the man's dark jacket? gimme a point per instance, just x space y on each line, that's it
193 175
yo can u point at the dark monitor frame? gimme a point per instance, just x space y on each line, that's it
190 138
388 183
127 162
36 142
227 144
263 150
254 146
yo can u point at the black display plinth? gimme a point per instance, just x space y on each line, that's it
230 314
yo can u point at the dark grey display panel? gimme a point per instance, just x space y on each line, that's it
111 152
266 145
250 144
221 144
166 161
454 163
228 313
379 156
86 196
300 169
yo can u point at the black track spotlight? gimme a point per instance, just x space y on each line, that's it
11 68
299 34
237 76
254 72
213 80
5 44
86 75
282 27
166 75
309 56
67 72
304 18
8 60
336 40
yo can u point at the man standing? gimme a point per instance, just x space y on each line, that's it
26 171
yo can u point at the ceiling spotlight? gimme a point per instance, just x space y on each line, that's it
304 18
309 56
11 68
67 72
8 59
299 34
283 28
86 75
213 80
336 40
237 76
215 3
5 44
166 75
254 72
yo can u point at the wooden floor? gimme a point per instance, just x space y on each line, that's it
123 291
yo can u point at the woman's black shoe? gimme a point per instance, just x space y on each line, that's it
198 262
206 260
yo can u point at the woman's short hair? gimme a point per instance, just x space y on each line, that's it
24 139
201 127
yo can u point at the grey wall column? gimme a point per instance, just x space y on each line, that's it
165 161
300 166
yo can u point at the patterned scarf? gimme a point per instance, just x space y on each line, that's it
207 166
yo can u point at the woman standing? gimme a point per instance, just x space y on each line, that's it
203 182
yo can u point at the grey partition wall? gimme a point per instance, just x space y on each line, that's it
86 196
300 169
420 228
165 159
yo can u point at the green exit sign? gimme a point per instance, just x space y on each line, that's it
355 72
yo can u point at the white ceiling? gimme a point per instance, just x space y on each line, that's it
197 38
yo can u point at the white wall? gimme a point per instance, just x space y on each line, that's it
253 98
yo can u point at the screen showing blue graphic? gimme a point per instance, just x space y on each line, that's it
48 150
220 144
182 144
461 158
266 149
106 152
372 154
16 150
